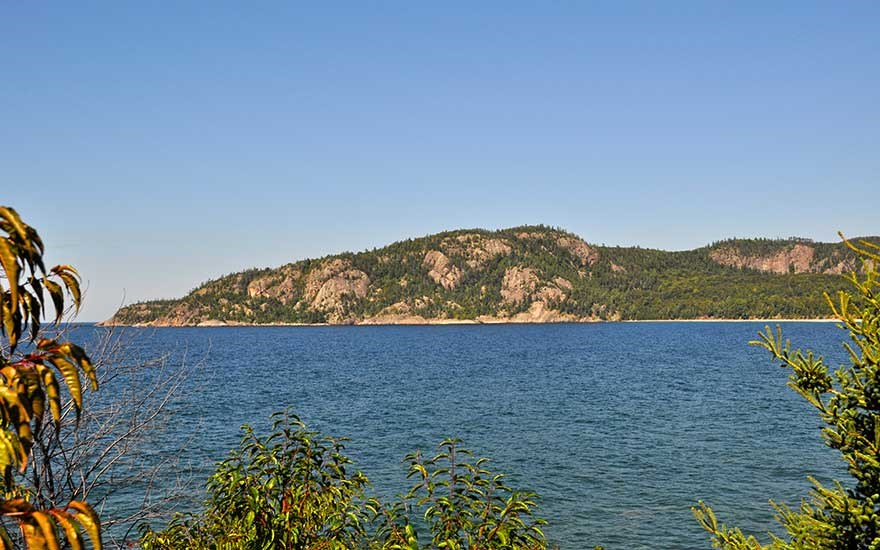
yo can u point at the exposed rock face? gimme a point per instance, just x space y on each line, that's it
841 267
335 277
475 248
348 283
539 313
518 284
550 294
441 269
279 286
495 247
323 273
330 285
522 284
563 283
579 249
531 235
799 258
179 315
399 313
259 288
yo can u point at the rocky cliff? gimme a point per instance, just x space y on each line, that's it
791 256
523 274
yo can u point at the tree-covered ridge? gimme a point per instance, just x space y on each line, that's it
520 274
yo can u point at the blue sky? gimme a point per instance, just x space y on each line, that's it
156 145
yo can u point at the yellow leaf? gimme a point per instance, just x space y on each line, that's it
53 390
65 520
37 242
71 378
18 227
87 517
11 321
9 324
57 296
16 413
35 399
12 453
47 526
72 285
33 308
65 267
13 393
80 357
70 276
9 261
33 535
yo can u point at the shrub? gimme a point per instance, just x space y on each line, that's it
295 490
464 505
289 490
848 402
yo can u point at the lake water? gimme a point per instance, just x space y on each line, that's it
620 427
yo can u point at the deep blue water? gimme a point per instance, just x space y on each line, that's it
620 427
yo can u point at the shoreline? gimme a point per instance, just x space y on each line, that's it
459 322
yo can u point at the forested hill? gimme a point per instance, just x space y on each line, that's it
522 274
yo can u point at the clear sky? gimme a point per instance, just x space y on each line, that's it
156 145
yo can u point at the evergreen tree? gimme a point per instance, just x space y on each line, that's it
845 515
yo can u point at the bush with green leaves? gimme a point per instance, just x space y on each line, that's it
295 489
845 515
463 505
291 489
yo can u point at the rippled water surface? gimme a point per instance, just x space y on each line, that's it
620 427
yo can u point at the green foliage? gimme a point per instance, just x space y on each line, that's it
31 382
464 505
618 283
848 403
289 490
295 490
